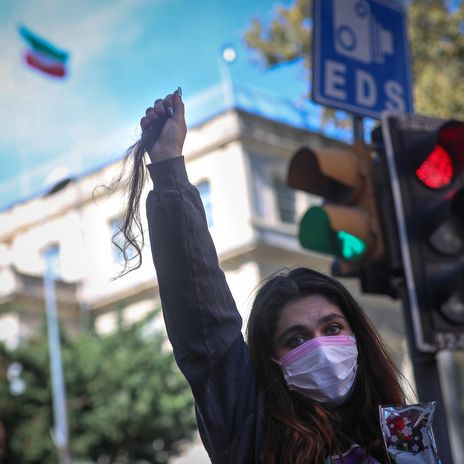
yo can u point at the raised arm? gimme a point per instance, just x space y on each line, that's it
202 321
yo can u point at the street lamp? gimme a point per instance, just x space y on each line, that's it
228 56
56 181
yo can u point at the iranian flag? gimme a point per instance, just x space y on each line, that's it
44 56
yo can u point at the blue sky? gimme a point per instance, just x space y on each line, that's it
123 55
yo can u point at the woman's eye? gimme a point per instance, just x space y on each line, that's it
295 341
333 330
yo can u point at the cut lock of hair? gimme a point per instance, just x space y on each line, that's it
129 238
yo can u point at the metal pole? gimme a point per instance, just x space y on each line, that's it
358 128
428 384
227 56
450 370
61 436
226 83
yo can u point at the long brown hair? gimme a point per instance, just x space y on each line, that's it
131 181
300 430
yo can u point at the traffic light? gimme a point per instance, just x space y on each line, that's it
426 164
346 225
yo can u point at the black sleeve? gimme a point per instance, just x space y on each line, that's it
202 321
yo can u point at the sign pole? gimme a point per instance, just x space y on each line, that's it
358 128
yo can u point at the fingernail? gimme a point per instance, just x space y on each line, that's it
170 111
179 92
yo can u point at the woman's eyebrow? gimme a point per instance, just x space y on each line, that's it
330 317
289 330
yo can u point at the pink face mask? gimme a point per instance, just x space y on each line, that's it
323 368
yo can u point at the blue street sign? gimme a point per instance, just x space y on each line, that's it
361 57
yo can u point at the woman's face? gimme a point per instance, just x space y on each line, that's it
306 318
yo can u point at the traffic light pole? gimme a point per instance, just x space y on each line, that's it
428 385
424 360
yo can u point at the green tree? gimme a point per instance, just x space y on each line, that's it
127 401
436 35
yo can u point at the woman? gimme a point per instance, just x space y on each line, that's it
307 385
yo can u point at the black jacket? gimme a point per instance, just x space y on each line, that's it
202 320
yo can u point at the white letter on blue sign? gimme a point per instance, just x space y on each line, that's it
366 89
335 80
394 93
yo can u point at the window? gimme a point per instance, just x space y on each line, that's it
285 201
51 257
205 194
118 255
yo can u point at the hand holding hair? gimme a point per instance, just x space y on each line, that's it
164 128
163 134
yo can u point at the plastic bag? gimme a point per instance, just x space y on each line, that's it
407 433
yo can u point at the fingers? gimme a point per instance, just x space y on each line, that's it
169 105
160 110
144 123
154 116
178 103
163 109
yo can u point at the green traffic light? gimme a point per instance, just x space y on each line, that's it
317 233
353 248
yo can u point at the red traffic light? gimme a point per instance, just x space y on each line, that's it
446 158
436 171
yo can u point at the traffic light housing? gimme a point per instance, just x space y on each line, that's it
426 165
346 225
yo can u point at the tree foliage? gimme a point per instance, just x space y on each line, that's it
287 38
437 44
126 400
436 35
